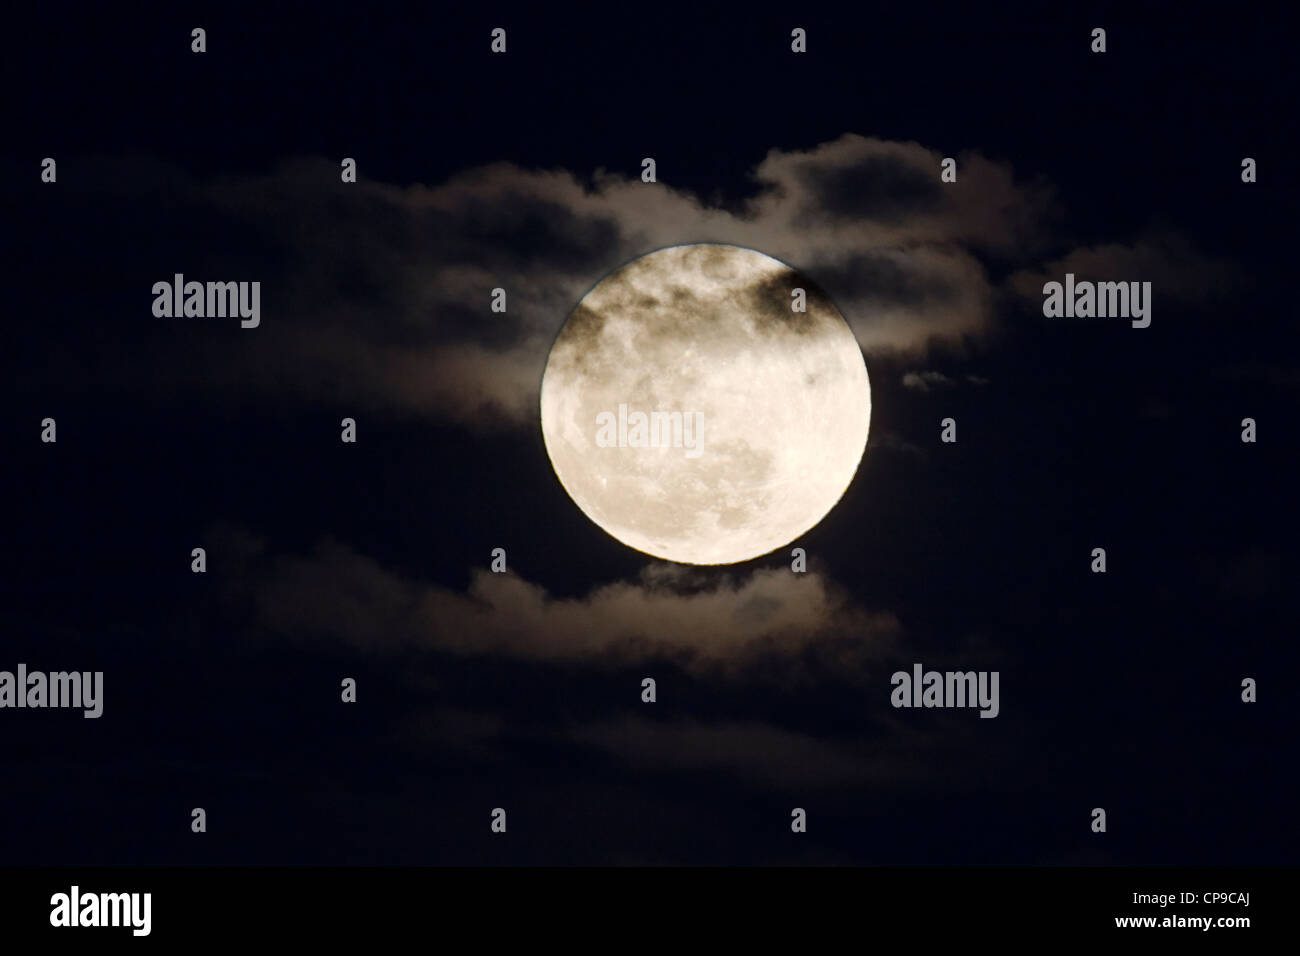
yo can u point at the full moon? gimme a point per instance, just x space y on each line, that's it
705 404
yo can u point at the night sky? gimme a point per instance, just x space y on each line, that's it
523 691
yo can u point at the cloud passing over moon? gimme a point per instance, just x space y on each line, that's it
705 404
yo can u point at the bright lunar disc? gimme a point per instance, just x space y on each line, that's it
693 413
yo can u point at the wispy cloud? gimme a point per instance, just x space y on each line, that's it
377 295
697 619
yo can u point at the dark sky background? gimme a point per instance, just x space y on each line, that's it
476 691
